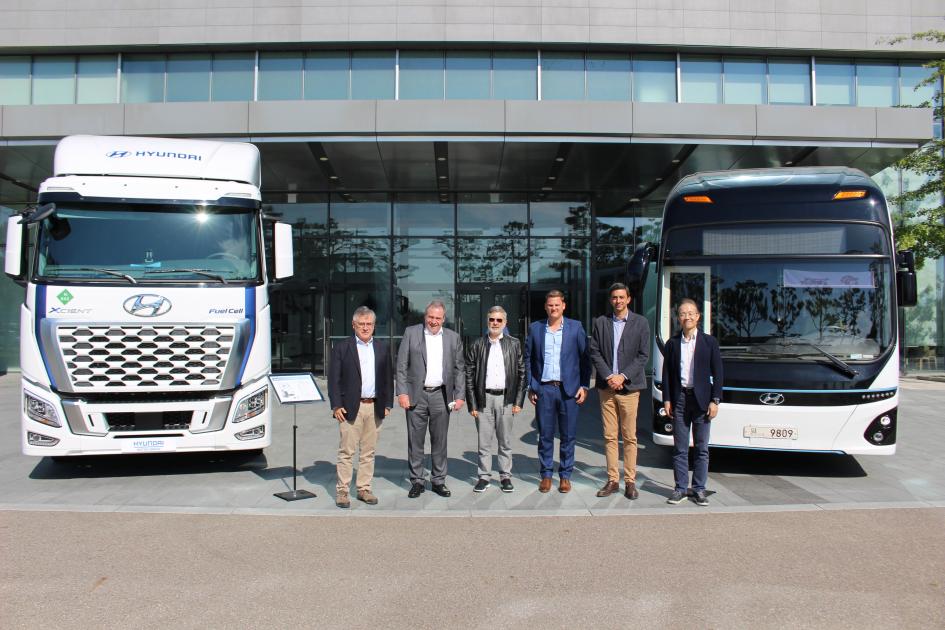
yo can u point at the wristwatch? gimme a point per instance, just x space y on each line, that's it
716 400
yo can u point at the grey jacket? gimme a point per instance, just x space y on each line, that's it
632 353
412 364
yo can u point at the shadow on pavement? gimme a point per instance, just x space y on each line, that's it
94 466
778 463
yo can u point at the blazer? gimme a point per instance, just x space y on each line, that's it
477 358
344 378
412 364
633 350
575 364
706 371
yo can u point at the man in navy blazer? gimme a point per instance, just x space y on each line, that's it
361 392
559 375
692 392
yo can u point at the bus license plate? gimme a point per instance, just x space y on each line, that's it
771 433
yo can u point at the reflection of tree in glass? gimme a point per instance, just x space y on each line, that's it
495 259
744 306
574 246
822 308
878 306
785 309
852 303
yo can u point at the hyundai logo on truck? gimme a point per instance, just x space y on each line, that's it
160 154
147 305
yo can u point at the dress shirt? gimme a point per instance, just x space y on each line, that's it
551 371
366 360
495 366
434 344
687 350
619 325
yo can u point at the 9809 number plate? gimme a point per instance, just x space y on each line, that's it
770 433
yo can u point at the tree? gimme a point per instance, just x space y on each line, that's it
921 225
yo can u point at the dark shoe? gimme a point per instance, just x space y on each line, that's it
631 491
609 488
564 486
367 497
545 485
699 497
442 490
416 490
676 498
506 485
342 500
481 485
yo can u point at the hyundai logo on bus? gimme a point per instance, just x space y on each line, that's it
160 154
771 398
147 305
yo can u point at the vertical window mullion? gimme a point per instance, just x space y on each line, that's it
538 75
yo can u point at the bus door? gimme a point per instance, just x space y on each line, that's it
679 283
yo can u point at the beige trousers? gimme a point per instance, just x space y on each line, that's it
362 433
618 414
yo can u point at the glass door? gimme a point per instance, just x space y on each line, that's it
475 300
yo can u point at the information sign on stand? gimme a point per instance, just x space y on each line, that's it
295 389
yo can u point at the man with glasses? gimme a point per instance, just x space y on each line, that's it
361 391
619 349
495 391
692 391
431 381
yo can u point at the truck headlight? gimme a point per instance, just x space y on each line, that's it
251 434
251 406
38 439
40 411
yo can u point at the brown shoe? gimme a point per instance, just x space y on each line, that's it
545 485
609 488
342 500
564 486
631 491
367 497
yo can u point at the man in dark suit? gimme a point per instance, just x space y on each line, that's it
361 392
431 382
559 375
692 392
619 350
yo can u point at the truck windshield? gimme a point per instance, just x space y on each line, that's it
148 244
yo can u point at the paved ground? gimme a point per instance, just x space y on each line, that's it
200 542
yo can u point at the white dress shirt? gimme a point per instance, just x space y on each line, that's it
687 350
434 344
366 360
495 365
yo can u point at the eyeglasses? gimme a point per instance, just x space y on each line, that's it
497 320
689 314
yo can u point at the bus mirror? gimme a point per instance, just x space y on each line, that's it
282 246
907 293
639 267
12 264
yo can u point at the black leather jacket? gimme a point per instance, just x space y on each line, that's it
477 356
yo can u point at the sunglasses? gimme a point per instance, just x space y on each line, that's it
498 320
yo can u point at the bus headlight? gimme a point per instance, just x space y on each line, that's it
40 411
251 406
882 430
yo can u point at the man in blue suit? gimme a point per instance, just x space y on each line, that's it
559 375
692 392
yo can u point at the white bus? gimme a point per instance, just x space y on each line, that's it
796 275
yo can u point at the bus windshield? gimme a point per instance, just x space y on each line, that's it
145 244
786 305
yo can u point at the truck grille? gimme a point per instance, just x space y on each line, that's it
134 357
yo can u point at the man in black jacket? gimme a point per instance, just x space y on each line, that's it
495 391
361 391
692 392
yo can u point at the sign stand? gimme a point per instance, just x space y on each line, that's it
295 389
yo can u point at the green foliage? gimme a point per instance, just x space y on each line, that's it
921 225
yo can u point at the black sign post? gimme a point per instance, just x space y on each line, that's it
295 389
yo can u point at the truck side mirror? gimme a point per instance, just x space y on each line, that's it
639 267
282 245
907 293
13 261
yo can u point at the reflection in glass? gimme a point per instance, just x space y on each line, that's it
423 271
421 74
911 75
359 219
233 76
468 74
326 75
306 219
53 80
515 76
788 81
142 79
492 260
188 78
360 275
280 76
562 76
835 81
14 80
423 218
701 79
560 218
372 74
654 78
877 84
97 79
608 77
745 79
558 261
493 219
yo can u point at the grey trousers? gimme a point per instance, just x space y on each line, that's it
495 421
428 412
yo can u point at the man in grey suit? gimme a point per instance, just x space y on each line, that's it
619 350
431 382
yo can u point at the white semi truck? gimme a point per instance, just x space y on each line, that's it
145 326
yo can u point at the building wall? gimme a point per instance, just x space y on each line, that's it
837 25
